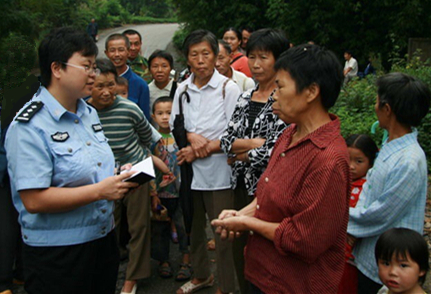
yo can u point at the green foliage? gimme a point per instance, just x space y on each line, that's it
355 105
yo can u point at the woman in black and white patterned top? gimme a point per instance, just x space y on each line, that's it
253 129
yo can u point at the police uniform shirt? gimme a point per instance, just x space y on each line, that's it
52 147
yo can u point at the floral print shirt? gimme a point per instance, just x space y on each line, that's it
266 125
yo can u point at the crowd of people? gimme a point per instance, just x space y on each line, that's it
295 207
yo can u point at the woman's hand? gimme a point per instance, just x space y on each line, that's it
186 155
113 188
231 226
199 144
257 142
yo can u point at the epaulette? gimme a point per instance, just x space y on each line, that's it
27 113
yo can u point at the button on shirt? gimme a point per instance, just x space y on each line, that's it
207 114
38 161
393 196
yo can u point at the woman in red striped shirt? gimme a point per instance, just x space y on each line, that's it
300 213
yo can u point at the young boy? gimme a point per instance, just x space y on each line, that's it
123 87
167 196
395 192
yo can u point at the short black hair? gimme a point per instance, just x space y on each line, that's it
122 81
403 241
197 37
248 29
408 97
310 64
59 45
106 66
161 54
225 45
268 40
161 100
117 37
364 143
132 32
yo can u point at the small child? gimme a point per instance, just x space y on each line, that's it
167 196
362 151
122 87
402 258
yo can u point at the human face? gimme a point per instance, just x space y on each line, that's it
123 91
223 61
74 79
261 64
135 46
160 70
359 163
201 60
103 94
231 38
118 53
347 56
400 275
288 104
162 114
245 36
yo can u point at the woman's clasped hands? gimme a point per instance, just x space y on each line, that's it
230 224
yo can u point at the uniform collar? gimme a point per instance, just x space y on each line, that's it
56 109
138 60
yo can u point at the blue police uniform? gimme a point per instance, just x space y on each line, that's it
52 147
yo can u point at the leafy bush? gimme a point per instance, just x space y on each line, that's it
355 105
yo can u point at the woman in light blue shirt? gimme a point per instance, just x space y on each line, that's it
61 169
395 192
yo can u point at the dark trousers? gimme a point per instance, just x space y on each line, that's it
161 231
254 289
240 201
10 237
87 268
366 285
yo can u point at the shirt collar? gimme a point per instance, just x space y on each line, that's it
138 60
324 135
56 109
125 72
395 145
214 82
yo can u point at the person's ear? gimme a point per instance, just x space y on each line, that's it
422 273
56 69
313 92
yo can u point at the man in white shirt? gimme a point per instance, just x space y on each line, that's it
350 67
223 66
212 101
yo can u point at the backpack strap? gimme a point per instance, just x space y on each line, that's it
173 89
236 58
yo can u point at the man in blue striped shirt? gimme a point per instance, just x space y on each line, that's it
395 192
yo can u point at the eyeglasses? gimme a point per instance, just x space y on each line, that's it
88 69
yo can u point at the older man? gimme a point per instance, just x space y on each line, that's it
137 62
117 49
223 66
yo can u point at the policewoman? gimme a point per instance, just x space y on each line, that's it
62 175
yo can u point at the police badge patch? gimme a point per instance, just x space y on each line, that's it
97 127
60 137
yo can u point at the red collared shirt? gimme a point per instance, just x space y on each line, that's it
305 188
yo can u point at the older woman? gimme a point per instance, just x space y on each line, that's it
299 216
254 128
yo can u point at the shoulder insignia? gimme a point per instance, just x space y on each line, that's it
27 113
60 137
97 127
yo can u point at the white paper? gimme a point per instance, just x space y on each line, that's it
146 166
